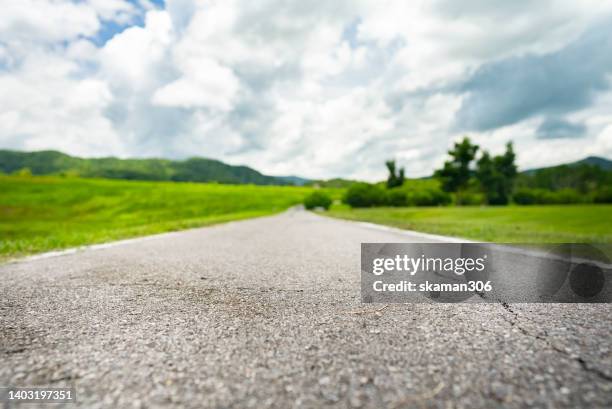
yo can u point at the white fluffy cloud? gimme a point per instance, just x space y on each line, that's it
318 89
38 22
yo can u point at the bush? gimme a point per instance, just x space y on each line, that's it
563 196
469 199
415 193
397 197
527 196
317 199
603 195
365 195
426 192
542 196
428 197
497 199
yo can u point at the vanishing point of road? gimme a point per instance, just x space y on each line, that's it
267 313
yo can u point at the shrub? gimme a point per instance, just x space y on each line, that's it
497 199
428 197
603 195
418 192
397 197
441 198
317 199
542 196
527 196
469 199
414 192
563 196
365 195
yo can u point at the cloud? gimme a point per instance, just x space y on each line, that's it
212 86
45 108
513 89
553 128
36 22
319 89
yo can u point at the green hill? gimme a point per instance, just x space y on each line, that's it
596 161
585 175
190 170
603 163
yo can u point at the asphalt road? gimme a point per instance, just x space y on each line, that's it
267 313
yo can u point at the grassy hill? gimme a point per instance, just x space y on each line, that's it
190 170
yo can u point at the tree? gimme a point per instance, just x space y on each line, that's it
490 179
505 163
496 175
456 172
394 180
507 168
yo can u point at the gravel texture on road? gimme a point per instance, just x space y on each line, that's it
267 313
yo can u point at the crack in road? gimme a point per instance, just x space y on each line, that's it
579 360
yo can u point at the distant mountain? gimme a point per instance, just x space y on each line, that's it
334 183
585 175
189 170
294 180
602 163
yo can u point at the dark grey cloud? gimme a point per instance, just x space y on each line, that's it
516 88
554 128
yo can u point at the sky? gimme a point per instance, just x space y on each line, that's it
318 89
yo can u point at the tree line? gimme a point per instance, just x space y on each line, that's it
473 176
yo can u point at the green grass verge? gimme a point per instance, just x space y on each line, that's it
47 213
508 224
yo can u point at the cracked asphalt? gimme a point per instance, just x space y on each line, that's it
267 313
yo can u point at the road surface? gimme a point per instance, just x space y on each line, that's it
266 313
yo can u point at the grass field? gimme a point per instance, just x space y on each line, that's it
45 213
508 224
